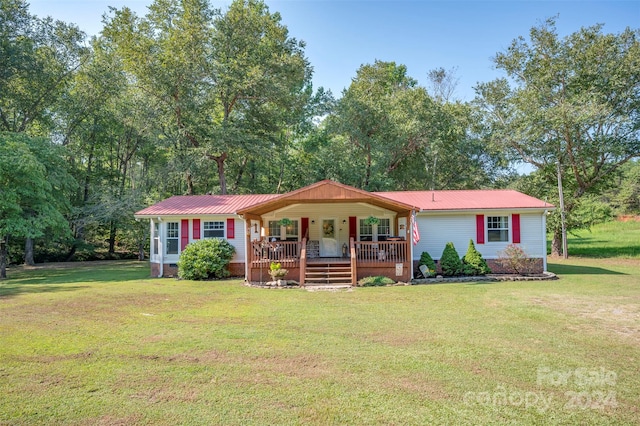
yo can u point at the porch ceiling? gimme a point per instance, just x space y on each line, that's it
326 191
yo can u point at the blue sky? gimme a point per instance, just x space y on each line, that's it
341 35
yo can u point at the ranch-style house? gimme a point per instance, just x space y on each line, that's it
330 233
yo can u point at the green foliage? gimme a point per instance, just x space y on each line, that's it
473 263
276 271
205 259
376 281
572 104
426 259
450 261
514 259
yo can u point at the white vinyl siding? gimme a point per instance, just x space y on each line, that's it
438 229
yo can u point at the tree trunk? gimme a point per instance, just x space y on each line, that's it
28 252
141 251
4 242
220 159
189 183
112 237
556 243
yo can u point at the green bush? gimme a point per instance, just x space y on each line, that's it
450 261
473 263
427 260
205 259
375 281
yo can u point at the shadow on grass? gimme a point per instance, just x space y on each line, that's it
7 291
580 270
43 280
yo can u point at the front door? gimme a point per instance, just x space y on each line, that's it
329 238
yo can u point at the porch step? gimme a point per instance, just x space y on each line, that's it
328 274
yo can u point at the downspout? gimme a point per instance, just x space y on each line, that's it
544 240
160 248
247 244
409 230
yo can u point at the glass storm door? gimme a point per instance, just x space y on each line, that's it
328 238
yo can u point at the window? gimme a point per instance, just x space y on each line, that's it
274 229
384 229
213 229
172 237
366 231
497 228
156 237
292 231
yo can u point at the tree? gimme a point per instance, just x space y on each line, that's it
29 204
39 58
392 135
573 110
225 84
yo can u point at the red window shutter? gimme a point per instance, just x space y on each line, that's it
196 229
304 226
515 224
480 229
231 229
353 227
184 234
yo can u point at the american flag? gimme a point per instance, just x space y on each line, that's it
416 231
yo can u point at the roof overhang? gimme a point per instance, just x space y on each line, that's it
326 191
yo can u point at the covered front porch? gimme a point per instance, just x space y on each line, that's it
362 259
329 233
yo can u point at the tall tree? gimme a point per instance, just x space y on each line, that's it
31 199
570 107
225 84
39 58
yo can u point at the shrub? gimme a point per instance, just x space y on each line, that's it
205 259
473 263
450 261
514 259
375 281
427 260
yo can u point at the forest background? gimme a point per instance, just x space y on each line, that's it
189 99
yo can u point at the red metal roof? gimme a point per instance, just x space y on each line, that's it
467 199
494 199
187 205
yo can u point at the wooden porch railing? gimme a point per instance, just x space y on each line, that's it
287 253
354 262
381 251
303 261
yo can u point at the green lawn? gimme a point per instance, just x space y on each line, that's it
107 345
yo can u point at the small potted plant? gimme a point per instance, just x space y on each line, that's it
276 271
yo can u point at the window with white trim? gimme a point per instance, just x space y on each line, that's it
291 231
173 234
497 229
275 231
384 229
213 229
156 237
366 231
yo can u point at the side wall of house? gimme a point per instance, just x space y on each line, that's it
437 229
192 229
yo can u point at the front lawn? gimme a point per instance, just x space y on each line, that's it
107 345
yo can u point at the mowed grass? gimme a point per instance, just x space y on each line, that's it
606 240
107 345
